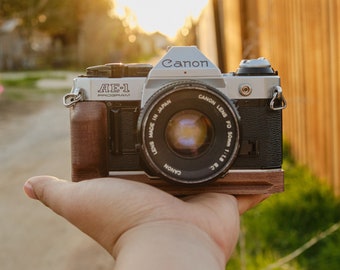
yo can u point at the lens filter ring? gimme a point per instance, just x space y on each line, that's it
189 132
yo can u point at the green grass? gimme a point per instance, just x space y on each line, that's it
286 221
21 86
21 82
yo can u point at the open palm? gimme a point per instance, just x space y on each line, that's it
133 220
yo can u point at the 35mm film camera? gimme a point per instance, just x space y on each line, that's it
181 125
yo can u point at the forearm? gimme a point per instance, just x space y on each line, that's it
167 245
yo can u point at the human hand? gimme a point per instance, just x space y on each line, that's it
145 228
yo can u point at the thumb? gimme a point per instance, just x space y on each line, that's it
46 189
102 208
71 201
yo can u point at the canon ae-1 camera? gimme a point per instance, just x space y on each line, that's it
181 125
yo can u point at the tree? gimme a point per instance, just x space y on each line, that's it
80 32
66 22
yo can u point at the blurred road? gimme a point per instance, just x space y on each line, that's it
34 140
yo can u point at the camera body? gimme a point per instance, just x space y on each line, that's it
181 125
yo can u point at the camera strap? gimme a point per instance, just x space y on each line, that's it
278 102
72 98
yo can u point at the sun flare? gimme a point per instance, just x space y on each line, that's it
166 17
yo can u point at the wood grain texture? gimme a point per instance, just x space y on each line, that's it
235 182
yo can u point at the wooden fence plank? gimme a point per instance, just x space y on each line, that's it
301 38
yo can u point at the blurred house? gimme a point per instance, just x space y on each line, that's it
12 46
20 50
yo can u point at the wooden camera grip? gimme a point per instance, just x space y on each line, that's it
89 140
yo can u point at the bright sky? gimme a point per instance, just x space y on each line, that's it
166 16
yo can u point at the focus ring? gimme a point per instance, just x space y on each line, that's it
192 96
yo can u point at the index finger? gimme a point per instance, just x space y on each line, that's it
246 202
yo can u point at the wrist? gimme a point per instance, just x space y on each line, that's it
170 245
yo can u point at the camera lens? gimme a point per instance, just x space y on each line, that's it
189 133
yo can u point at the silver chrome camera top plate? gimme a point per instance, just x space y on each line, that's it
179 63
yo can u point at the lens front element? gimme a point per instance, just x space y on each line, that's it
189 133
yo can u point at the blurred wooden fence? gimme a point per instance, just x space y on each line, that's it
301 38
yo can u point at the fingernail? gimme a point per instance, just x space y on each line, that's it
28 188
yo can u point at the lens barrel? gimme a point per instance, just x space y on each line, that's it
189 132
